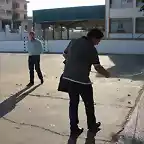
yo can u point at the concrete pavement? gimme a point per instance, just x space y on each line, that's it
133 132
40 114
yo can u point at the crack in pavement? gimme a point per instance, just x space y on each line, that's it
127 119
66 99
46 129
35 126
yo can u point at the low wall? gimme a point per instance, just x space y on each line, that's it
57 46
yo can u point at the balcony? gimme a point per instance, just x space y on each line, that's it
19 17
6 6
4 15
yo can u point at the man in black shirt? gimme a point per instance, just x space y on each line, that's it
80 56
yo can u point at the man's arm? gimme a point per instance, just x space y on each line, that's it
96 63
40 46
100 69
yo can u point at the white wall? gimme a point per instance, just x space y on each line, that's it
7 36
119 10
11 46
126 35
125 13
105 47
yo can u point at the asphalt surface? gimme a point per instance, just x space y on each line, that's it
40 114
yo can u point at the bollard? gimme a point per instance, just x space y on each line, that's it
24 44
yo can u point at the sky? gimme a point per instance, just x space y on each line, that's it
47 4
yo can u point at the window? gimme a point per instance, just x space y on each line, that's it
16 5
127 3
121 3
139 3
140 25
8 12
16 16
26 27
25 16
121 25
7 1
25 6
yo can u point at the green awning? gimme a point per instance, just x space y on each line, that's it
69 14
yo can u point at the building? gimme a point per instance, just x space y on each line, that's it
68 23
13 13
124 19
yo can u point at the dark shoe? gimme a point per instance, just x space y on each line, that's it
30 84
42 81
76 133
96 128
98 124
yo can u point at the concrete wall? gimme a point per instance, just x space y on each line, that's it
125 13
7 36
122 10
126 36
57 46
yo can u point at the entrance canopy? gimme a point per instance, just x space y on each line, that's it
63 15
68 23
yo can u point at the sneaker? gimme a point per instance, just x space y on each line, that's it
30 84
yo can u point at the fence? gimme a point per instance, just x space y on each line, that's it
57 46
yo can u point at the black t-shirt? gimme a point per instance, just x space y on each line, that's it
81 55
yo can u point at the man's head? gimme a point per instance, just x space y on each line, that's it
31 35
95 35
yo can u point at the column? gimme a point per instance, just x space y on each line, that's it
134 19
38 30
61 29
107 17
0 25
134 27
134 3
67 32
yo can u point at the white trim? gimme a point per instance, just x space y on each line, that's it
77 81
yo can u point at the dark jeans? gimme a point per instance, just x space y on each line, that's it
86 92
34 62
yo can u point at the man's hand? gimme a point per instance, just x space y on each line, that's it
107 75
102 71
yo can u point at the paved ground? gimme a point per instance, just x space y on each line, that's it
40 114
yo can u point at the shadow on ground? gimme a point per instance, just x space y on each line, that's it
127 66
9 104
90 139
129 140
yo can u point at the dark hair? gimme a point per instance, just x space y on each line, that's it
32 33
95 33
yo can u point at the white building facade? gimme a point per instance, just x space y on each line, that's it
13 13
124 20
